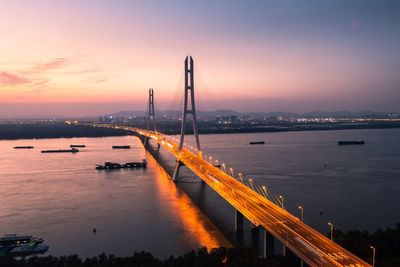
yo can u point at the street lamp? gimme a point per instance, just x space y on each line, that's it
302 213
331 229
282 200
251 183
240 177
373 256
265 191
231 171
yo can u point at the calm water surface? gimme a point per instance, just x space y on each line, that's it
356 187
60 197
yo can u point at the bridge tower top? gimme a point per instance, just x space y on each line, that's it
189 105
151 117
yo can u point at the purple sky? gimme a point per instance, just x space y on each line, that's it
78 58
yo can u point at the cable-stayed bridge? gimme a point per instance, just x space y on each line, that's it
309 245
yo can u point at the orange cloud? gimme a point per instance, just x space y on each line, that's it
53 64
10 79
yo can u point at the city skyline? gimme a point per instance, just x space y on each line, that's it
94 58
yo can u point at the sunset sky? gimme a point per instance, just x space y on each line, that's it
93 57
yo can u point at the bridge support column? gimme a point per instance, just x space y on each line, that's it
269 244
178 165
254 228
146 143
150 119
189 107
239 221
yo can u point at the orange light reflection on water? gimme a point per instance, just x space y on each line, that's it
195 222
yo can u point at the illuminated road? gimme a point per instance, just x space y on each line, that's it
311 246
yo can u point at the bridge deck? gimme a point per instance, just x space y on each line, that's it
311 246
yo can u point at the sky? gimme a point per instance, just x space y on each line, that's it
92 57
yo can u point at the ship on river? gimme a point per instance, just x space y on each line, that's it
23 245
72 150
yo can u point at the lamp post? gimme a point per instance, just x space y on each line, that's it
373 256
331 229
240 177
302 213
265 191
251 183
224 167
282 201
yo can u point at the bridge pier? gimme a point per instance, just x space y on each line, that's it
239 221
254 228
175 175
269 244
146 143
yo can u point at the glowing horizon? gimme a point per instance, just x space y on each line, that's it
265 57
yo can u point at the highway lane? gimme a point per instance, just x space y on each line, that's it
311 246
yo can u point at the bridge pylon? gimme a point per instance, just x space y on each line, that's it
189 107
151 118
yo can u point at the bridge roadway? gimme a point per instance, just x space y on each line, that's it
311 246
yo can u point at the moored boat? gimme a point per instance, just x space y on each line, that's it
121 147
352 142
22 245
128 165
257 143
77 146
73 150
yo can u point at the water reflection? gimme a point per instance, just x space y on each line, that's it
195 222
61 197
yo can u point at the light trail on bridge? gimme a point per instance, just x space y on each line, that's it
311 246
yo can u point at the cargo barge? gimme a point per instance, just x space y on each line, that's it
115 166
257 143
77 146
121 147
356 142
73 150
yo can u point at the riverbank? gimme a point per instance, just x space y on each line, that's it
219 257
63 130
386 242
55 130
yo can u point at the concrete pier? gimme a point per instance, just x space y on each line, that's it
269 244
239 220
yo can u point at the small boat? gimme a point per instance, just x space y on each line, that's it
77 146
22 245
73 150
14 239
121 147
28 249
356 142
128 165
257 143
23 147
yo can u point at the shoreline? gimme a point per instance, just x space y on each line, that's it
98 132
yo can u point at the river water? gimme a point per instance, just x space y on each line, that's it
61 197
